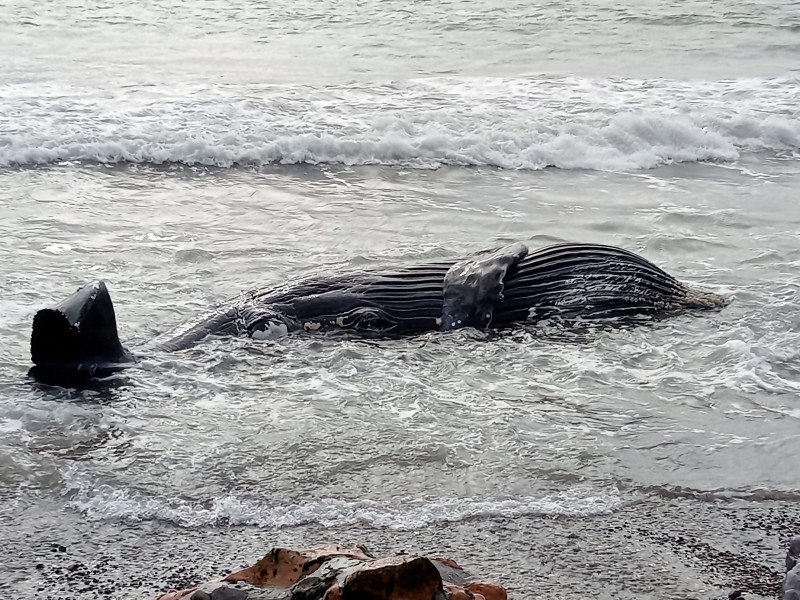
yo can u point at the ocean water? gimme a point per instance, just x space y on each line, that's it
187 151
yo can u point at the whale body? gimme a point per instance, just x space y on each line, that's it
493 289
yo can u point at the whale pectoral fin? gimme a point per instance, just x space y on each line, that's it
78 337
473 287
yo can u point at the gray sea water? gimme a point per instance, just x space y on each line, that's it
185 151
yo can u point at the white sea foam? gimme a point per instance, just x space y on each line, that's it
107 502
749 368
12 313
523 123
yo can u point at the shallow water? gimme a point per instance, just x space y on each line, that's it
185 153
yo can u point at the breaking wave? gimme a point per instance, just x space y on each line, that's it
107 502
524 123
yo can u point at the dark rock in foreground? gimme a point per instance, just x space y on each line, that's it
791 585
337 573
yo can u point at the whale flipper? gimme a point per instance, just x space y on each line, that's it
473 287
77 338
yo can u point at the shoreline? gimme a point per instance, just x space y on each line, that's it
649 549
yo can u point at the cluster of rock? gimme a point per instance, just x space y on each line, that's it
337 573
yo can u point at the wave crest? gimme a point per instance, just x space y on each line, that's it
568 123
106 502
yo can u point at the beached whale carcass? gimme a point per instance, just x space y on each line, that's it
492 289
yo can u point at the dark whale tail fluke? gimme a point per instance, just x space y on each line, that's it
77 339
